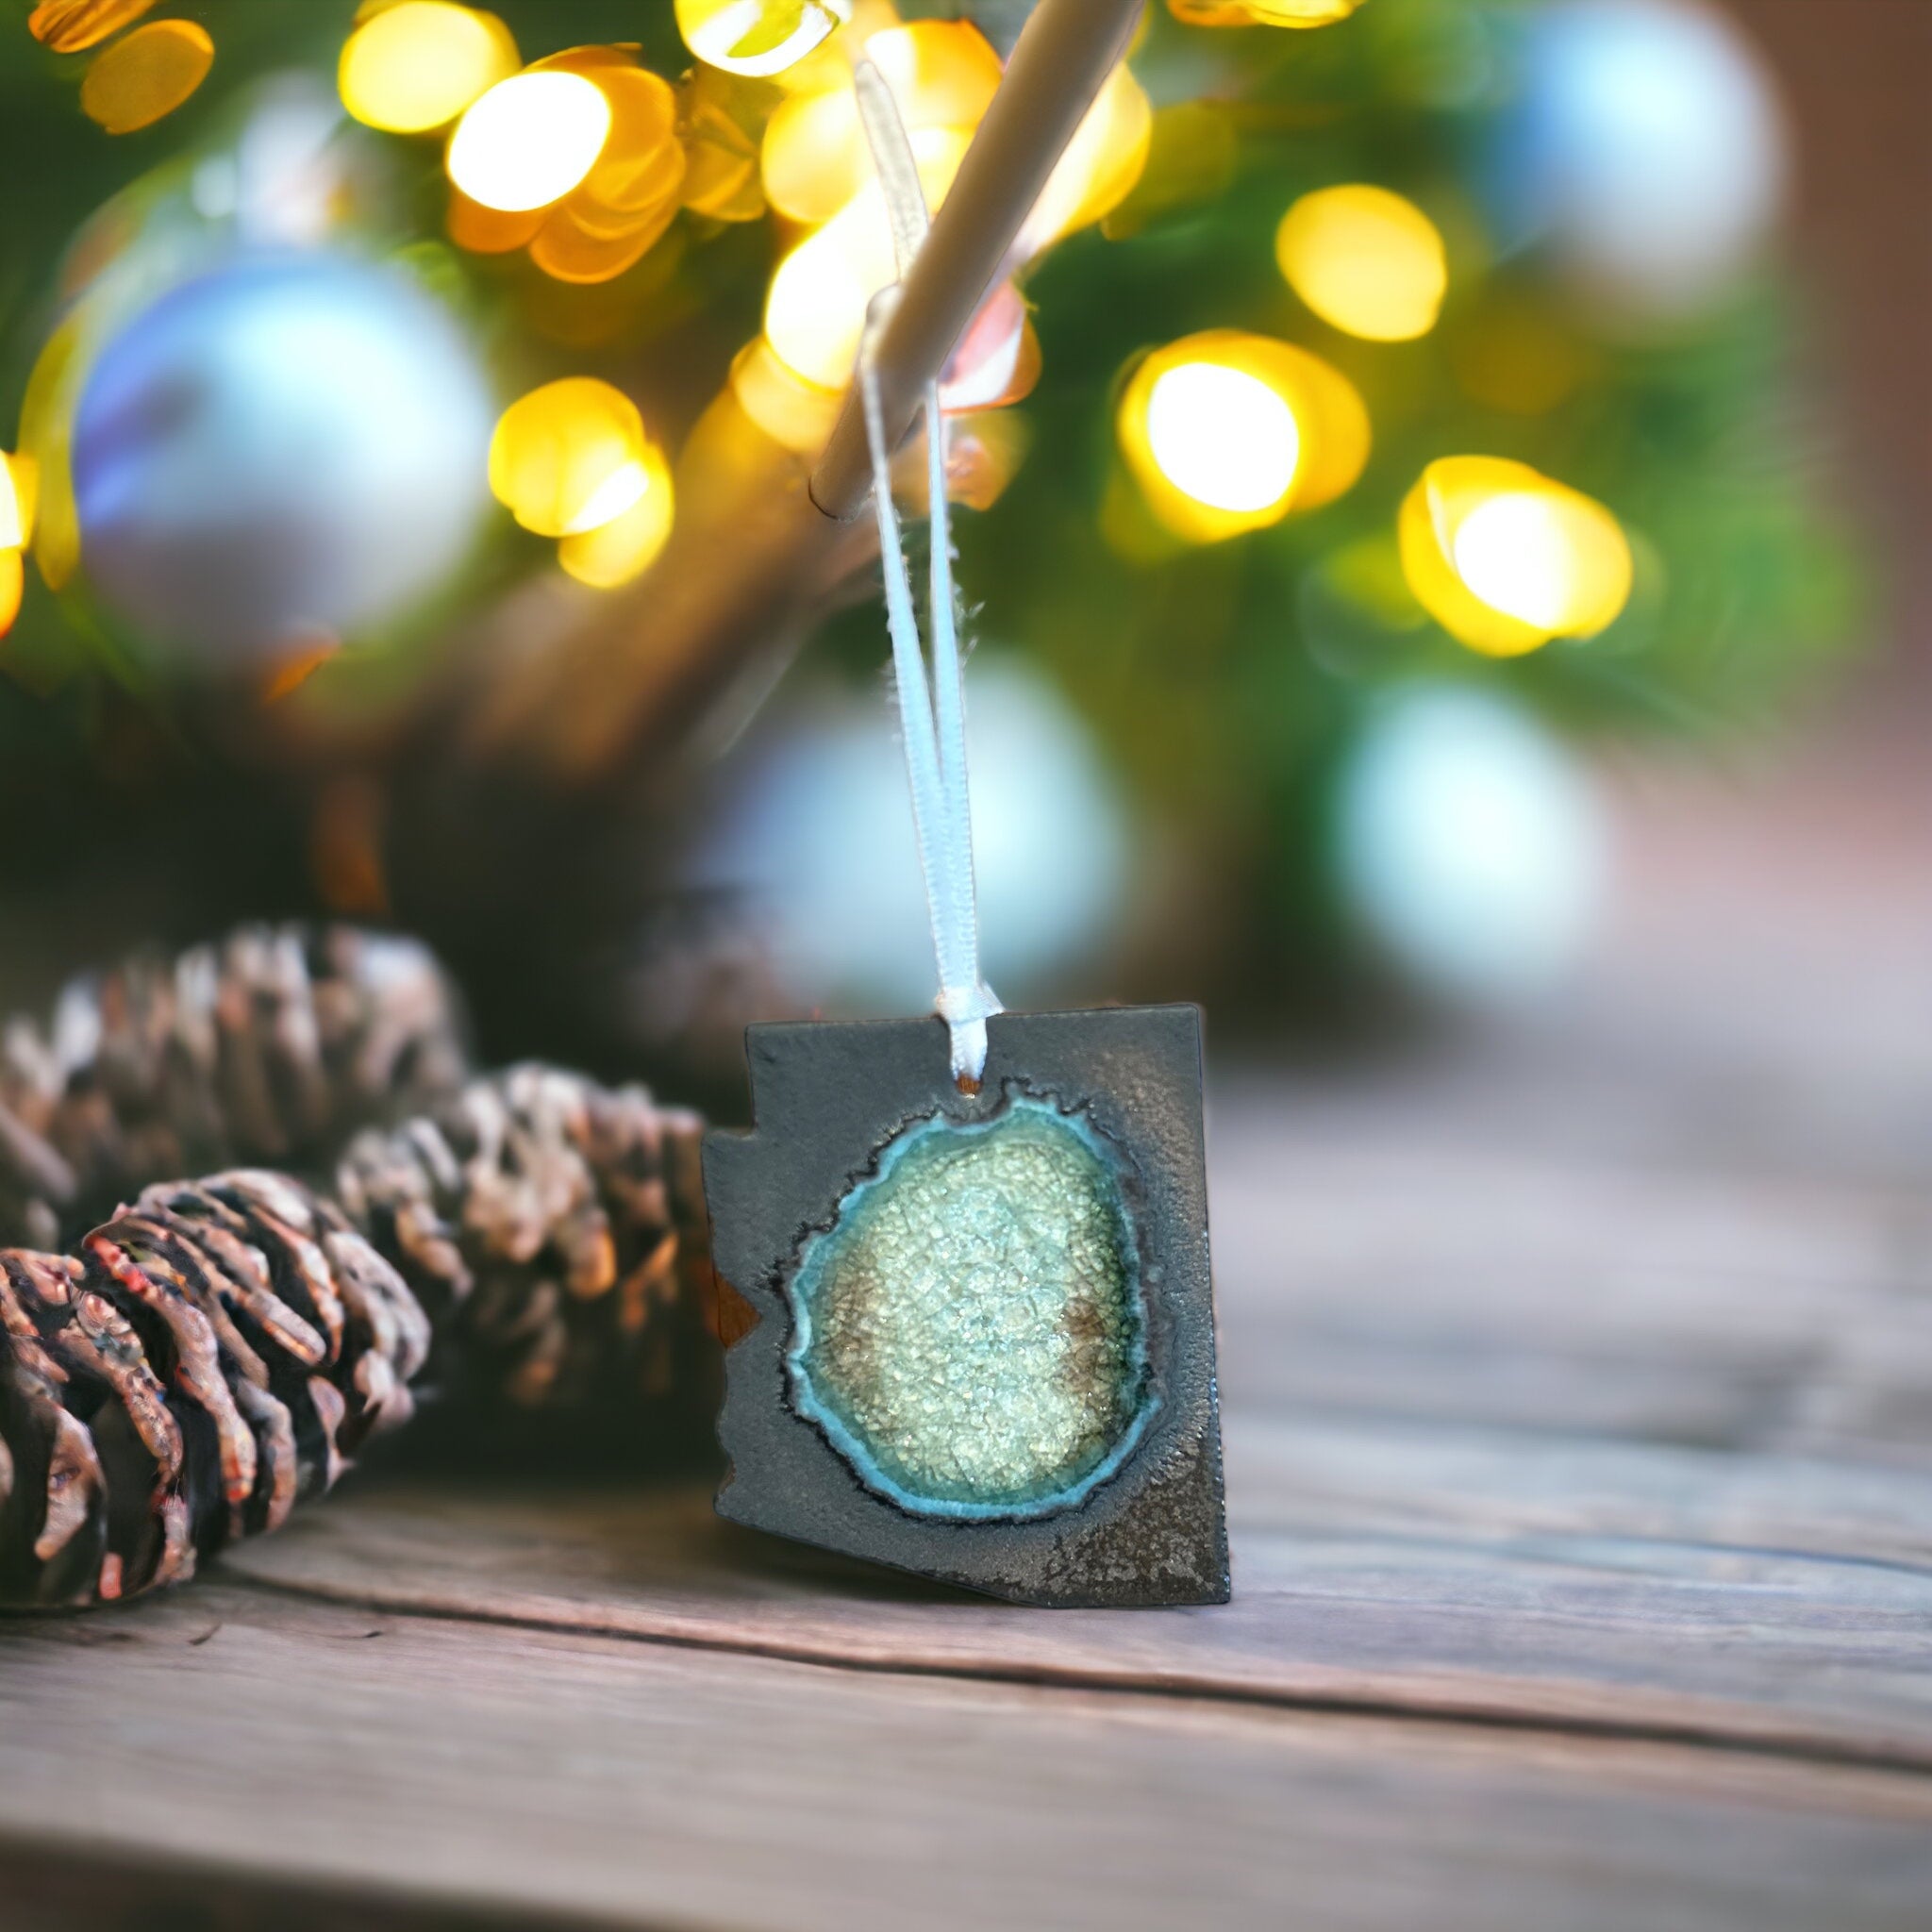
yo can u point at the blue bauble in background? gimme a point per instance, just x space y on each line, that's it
1644 147
289 446
1471 846
815 831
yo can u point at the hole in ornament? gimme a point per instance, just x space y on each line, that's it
970 1333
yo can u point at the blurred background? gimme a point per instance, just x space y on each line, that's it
1437 495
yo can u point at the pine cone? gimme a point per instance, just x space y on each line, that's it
202 1362
556 1232
220 1349
271 1046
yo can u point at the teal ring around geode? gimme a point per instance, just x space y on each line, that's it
970 1332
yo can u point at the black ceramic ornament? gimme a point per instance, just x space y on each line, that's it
984 1345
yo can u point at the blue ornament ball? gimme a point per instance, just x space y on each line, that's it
1644 146
816 833
1471 846
289 446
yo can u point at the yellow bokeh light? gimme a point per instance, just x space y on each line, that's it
757 38
135 82
1505 558
1223 436
1301 14
46 424
67 26
815 158
567 249
530 140
1101 165
623 546
721 115
815 309
1226 431
489 230
728 461
620 490
12 586
570 457
794 413
641 167
621 188
17 493
1366 260
414 67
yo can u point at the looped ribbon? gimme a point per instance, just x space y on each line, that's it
932 712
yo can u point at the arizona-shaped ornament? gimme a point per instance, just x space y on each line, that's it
985 1345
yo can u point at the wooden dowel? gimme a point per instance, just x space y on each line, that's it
1059 64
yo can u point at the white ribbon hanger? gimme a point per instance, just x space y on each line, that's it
932 715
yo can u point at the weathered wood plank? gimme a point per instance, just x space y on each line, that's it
651 1785
1548 1584
1463 1252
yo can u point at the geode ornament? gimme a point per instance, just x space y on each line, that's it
983 1348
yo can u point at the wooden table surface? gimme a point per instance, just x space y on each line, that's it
1578 1392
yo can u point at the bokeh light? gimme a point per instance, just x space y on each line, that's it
722 114
1644 147
47 422
16 501
1471 846
1101 165
1365 260
815 309
1223 436
1301 14
69 27
491 230
640 168
793 412
1226 431
570 457
623 546
136 81
1505 559
606 199
414 67
530 140
815 826
815 160
757 38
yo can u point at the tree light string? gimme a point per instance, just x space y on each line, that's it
932 718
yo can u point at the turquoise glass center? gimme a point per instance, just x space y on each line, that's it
970 1332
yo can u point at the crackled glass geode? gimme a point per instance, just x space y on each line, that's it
970 1332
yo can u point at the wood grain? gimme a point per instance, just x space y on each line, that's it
650 1786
